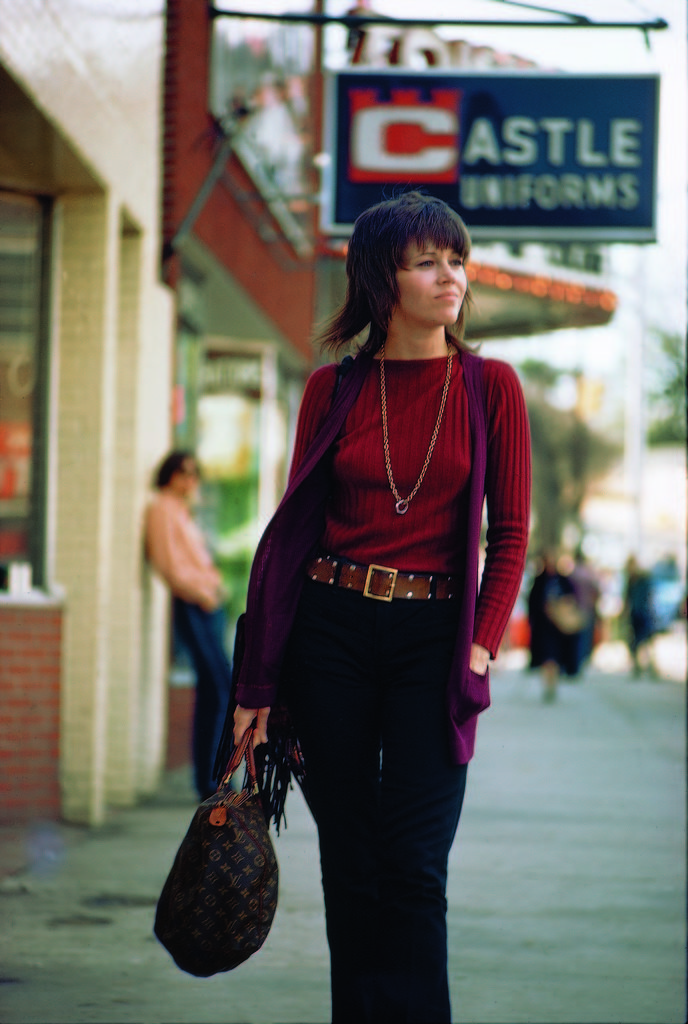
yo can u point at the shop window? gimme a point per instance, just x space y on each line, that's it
24 228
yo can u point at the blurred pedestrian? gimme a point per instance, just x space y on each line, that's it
587 591
178 552
556 622
638 615
386 669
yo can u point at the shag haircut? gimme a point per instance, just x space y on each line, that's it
380 239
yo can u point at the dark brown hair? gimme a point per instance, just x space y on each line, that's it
377 247
171 464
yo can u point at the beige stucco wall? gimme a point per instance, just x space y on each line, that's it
92 70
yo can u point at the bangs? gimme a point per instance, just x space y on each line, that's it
441 230
422 220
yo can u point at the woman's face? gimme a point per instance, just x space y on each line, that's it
432 285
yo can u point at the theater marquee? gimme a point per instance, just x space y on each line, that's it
545 157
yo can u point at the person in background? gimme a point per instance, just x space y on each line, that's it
587 590
555 625
364 599
177 551
638 613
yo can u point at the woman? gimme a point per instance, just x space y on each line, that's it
177 551
554 644
363 600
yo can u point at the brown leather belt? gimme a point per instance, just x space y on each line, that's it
380 582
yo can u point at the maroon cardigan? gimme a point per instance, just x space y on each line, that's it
277 574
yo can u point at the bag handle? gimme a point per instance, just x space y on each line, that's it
243 751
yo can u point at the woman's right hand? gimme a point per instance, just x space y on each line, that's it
243 720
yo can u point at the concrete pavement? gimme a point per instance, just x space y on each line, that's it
567 885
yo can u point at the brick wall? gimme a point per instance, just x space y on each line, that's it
30 654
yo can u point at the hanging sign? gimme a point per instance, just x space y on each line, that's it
541 157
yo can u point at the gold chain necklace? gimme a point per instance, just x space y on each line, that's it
402 504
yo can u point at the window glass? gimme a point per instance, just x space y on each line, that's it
20 325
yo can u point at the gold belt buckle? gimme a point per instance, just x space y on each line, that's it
392 573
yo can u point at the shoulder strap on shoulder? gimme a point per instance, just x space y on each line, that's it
342 370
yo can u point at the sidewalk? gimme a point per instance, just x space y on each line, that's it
566 894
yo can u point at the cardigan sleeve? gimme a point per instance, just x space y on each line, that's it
315 404
507 488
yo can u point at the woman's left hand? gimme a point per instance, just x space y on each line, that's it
480 658
244 719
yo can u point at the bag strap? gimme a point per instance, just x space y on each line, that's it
243 752
342 370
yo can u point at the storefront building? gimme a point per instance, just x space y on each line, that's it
85 390
162 267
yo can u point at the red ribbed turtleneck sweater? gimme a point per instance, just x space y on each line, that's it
362 523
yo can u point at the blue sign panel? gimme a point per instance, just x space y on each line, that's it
551 157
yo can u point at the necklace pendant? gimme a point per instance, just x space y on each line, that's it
402 504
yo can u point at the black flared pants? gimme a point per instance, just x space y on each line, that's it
366 685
